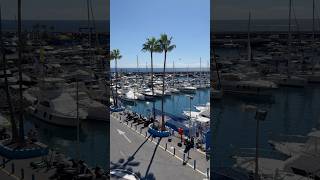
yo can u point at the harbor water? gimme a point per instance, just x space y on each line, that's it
294 111
174 104
93 140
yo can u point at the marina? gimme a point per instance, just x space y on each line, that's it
266 124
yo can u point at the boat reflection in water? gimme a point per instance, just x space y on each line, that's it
93 139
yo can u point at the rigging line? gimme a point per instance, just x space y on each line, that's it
94 23
298 28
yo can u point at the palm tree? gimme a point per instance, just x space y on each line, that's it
115 54
111 57
151 45
165 46
12 119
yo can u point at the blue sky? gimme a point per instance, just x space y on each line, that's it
187 21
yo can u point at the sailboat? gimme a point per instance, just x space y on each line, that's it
288 79
313 77
173 88
217 91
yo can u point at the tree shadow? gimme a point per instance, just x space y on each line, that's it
150 176
130 163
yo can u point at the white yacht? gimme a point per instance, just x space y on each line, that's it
52 105
290 148
188 89
96 110
284 80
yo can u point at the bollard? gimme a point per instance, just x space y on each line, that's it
146 134
3 162
22 173
194 164
33 177
120 118
208 173
12 168
184 157
174 151
166 147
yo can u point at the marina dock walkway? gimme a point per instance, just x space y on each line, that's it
39 174
134 148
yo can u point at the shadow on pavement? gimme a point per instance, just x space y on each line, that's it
130 163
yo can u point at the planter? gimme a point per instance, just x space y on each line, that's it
23 153
157 133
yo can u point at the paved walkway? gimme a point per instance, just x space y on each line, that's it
197 161
39 174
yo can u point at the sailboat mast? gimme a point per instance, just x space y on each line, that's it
289 38
78 120
135 88
249 38
200 73
89 30
4 61
173 72
313 36
21 126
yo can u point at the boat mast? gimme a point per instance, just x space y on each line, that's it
21 126
173 72
4 61
89 31
135 88
78 120
313 36
200 73
249 40
289 38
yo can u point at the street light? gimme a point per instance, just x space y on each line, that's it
191 98
260 116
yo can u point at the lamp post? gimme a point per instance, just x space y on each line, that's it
191 98
260 116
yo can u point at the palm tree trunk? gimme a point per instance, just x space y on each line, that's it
12 120
152 89
21 130
162 98
116 100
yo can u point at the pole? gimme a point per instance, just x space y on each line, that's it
190 120
78 122
249 40
21 126
289 39
257 151
313 36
